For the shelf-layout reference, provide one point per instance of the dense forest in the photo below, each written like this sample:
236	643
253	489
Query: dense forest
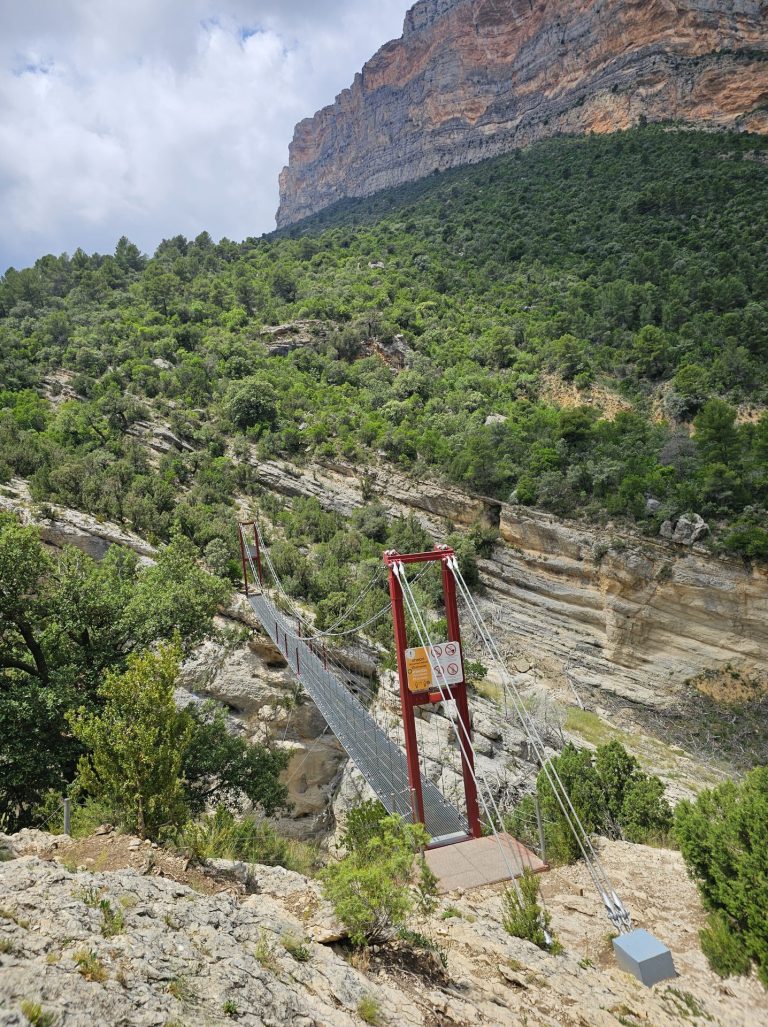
447	321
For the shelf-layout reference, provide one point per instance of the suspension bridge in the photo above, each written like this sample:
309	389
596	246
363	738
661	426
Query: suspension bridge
468	846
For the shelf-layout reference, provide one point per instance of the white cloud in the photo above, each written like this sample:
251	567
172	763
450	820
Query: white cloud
155	117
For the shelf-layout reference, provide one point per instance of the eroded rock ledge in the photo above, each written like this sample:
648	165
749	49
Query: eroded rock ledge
632	616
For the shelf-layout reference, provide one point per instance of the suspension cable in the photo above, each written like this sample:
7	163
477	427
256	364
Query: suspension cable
617	913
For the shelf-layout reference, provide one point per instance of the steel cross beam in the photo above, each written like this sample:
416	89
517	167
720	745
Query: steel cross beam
409	700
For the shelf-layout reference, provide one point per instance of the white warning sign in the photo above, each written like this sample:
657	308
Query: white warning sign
445	659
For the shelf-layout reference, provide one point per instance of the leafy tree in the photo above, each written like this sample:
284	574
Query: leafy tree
175	594
24	567
646	816
723	837
219	767
136	744
64	621
716	436
693	385
251	403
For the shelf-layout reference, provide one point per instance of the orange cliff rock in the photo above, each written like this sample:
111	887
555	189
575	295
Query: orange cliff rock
470	79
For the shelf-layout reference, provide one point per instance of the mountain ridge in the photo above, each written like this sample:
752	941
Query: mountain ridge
470	79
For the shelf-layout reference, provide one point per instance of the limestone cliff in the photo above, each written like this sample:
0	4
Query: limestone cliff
609	610
470	79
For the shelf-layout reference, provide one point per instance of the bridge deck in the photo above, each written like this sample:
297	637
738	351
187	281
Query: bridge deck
379	760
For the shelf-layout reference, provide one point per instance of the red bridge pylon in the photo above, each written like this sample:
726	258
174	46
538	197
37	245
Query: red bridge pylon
417	687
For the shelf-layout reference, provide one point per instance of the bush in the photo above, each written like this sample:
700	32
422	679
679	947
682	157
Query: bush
646	816
524	917
723	837
610	793
150	766
748	541
251	403
373	888
137	744
722	946
364	822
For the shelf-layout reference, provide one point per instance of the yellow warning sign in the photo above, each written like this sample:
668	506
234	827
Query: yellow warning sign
418	669
423	663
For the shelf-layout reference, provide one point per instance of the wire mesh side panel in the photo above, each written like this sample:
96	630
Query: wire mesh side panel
379	760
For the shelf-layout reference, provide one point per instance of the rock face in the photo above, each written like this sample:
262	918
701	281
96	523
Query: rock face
470	79
178	955
609	610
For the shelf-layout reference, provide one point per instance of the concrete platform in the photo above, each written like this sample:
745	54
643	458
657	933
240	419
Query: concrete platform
478	861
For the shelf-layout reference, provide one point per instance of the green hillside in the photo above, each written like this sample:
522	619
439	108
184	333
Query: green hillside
625	274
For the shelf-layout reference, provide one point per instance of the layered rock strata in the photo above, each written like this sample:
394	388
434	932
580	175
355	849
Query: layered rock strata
470	79
606	609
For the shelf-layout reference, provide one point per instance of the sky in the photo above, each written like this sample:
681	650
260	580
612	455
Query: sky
153	118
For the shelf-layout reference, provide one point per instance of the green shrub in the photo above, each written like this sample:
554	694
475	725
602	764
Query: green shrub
369	1010
610	793
297	948
646	816
524	917
364	822
721	944
136	744
113	920
90	966
372	888
723	837
35	1014
749	541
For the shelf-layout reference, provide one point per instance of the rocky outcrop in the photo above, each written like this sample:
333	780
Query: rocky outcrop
253	680
177	954
60	526
603	608
470	79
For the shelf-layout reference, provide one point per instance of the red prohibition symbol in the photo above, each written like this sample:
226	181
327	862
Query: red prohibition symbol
450	650
437	652
452	668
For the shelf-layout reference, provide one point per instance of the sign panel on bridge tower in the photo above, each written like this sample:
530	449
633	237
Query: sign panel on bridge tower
445	659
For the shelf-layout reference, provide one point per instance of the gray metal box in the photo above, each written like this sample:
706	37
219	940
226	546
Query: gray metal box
641	954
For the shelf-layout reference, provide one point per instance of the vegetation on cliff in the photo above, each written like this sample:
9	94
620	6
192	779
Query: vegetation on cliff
630	266
610	793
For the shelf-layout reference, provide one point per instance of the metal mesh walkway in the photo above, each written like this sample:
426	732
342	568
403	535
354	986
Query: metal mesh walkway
379	760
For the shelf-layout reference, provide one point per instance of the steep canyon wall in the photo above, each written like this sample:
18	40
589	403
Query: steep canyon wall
616	612
470	79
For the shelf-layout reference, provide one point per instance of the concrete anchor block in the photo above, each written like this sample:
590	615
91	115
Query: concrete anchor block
641	954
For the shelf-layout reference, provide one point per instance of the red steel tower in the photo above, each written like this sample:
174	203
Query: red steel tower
417	687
